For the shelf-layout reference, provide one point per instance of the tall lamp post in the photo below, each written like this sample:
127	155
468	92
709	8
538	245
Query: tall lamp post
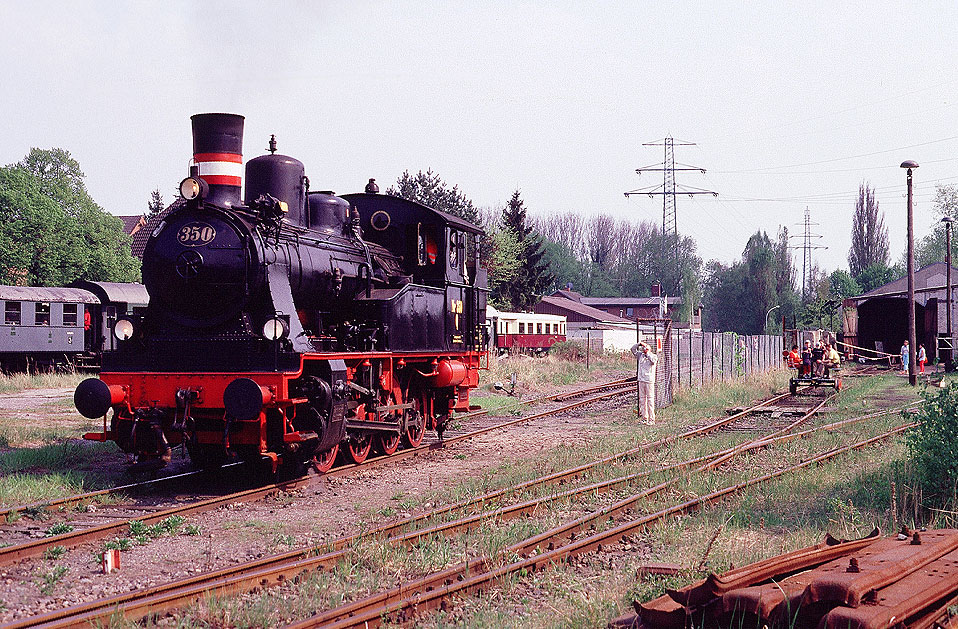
766	316
912	343
949	350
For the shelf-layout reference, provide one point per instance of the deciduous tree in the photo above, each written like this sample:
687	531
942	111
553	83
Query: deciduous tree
52	230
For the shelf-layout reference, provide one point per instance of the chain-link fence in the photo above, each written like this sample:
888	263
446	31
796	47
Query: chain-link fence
693	358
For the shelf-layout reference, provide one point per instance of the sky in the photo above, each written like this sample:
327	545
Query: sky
787	106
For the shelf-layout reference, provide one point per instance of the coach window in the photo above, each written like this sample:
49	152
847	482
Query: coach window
11	313
69	315
42	316
522	328
629	311
538	328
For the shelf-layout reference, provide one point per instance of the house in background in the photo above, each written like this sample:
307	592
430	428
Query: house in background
603	331
133	224
634	308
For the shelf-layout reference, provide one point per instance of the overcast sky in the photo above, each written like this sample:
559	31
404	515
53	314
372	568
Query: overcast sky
790	105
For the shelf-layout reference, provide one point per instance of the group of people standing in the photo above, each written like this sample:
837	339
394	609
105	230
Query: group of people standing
920	358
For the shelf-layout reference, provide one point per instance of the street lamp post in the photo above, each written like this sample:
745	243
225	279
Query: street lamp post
912	343
768	313
949	350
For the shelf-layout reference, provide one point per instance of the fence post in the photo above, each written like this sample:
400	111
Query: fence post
712	355
678	359
691	360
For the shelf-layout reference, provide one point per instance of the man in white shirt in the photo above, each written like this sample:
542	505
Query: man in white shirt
645	373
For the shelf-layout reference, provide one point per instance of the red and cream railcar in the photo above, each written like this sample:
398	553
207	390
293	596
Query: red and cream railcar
524	331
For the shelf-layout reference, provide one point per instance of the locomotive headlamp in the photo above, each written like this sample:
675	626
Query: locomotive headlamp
123	329
275	329
193	188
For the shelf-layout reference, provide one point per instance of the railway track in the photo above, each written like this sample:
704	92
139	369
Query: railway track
432	591
280	568
36	548
158	483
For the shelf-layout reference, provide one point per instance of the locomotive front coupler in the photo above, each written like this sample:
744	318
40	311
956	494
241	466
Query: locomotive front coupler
184	399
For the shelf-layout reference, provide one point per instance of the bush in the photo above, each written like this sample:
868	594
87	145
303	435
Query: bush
568	350
933	445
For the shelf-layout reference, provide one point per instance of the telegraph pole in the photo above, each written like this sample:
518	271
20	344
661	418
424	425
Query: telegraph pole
670	232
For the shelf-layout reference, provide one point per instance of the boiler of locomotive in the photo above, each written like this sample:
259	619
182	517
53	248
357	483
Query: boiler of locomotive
200	266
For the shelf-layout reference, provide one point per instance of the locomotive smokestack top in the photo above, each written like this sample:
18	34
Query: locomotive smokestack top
218	153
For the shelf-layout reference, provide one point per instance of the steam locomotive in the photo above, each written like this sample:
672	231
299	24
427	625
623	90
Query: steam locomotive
291	324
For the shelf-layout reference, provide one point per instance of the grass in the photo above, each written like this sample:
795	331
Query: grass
49	580
49	472
17	382
537	375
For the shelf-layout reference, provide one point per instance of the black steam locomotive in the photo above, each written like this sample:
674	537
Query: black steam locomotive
291	324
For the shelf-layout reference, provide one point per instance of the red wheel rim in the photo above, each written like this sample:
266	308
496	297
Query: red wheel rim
412	438
387	444
323	461
359	448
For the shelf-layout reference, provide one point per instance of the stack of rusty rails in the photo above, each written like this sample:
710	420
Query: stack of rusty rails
279	568
539	552
909	580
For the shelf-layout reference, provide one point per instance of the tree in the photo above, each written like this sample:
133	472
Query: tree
869	234
52	231
738	297
503	266
843	285
874	276
155	206
430	190
533	274
931	248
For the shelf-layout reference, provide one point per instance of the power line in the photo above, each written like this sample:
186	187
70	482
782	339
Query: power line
839	159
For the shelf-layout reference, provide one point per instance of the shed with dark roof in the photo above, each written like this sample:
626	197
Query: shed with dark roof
880	316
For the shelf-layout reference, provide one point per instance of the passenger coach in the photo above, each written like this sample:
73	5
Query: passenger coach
524	331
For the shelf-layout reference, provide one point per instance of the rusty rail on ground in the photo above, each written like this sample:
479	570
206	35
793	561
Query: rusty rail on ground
429	592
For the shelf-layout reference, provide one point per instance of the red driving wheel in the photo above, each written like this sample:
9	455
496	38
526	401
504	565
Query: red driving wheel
358	447
323	461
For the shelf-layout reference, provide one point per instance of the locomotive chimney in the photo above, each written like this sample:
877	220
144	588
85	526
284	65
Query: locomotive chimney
218	153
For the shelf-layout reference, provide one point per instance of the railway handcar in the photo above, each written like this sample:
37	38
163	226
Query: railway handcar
524	331
290	323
